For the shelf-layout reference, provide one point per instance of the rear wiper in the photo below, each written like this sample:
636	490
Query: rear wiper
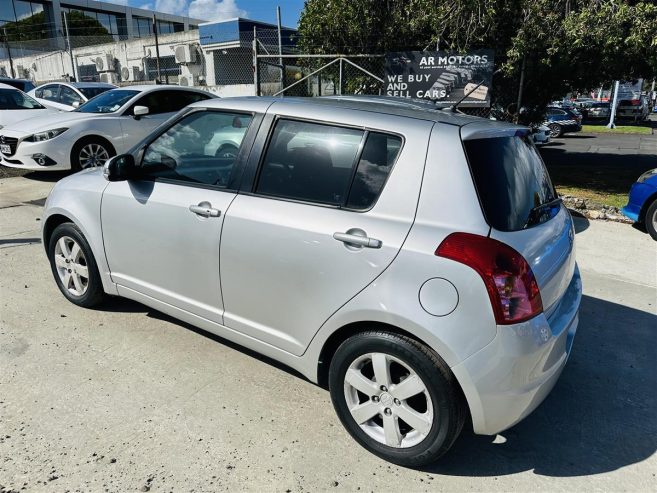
534	213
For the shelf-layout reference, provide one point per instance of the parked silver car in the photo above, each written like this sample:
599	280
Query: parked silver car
415	261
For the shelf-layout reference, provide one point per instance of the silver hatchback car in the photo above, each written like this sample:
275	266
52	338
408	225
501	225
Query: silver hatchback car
416	261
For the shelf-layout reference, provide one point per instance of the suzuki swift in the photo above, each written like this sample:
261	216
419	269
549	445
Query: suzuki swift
415	261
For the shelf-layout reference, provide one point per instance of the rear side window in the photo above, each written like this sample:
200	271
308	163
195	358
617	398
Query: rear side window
374	166
326	164
511	180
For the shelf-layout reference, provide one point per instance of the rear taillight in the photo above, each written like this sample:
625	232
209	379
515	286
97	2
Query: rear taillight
510	282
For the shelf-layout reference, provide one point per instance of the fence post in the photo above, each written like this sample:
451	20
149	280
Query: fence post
11	61
340	80
157	52
280	48
256	77
70	48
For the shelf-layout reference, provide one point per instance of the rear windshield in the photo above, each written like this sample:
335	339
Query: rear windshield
90	92
511	180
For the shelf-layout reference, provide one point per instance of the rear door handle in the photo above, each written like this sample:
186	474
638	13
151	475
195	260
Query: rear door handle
205	209
357	240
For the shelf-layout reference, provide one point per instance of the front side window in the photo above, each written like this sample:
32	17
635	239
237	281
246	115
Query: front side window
201	148
50	93
68	96
310	162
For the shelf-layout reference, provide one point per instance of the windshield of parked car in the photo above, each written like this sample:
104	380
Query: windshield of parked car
13	99
92	92
108	102
512	182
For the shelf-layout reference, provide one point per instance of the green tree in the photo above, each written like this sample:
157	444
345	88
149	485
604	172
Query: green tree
567	45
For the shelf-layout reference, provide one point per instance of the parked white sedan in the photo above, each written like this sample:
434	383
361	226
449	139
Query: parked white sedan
67	96
16	106
104	126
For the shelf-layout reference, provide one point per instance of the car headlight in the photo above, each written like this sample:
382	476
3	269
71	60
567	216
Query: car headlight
47	135
647	175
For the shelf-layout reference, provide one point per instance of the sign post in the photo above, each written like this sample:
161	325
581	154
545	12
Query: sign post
611	123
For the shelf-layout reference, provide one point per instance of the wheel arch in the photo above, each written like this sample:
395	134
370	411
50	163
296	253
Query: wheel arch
50	224
646	204
89	138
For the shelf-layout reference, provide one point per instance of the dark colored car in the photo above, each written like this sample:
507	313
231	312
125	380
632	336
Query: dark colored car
599	111
561	121
642	202
24	85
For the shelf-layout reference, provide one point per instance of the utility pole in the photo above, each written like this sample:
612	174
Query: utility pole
611	123
70	48
280	46
11	60
157	52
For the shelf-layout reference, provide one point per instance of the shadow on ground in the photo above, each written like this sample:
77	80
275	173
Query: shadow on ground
600	416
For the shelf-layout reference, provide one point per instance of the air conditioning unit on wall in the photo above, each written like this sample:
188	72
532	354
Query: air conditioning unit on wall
109	77
189	80
104	63
185	54
131	74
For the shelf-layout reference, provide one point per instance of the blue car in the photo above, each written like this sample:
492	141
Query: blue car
562	120
642	203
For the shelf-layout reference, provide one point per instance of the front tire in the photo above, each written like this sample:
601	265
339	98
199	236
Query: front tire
650	220
74	267
555	130
91	152
396	397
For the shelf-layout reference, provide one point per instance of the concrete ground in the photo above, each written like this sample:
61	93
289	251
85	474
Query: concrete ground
127	399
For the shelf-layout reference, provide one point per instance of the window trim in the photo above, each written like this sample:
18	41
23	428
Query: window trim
249	188
240	161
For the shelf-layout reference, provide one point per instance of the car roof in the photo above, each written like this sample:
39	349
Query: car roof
21	80
7	86
410	108
83	85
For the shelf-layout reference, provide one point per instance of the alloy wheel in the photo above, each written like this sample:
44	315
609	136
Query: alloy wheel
92	155
71	266
388	400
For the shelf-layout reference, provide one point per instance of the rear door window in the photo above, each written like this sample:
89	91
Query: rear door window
310	162
325	164
512	182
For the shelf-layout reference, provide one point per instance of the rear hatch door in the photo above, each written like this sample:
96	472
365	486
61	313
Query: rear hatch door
520	203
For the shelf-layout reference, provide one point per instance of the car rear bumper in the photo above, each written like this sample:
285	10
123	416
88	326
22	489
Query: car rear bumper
506	380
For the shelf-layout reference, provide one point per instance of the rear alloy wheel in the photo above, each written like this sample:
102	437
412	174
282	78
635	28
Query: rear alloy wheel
555	130
396	397
651	220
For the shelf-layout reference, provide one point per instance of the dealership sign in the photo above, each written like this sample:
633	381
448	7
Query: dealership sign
441	76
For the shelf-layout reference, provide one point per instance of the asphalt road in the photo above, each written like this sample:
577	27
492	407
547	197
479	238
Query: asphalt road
127	399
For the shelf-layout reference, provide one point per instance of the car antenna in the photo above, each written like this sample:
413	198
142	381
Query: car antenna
454	108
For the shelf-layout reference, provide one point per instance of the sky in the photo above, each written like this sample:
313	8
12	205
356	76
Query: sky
210	10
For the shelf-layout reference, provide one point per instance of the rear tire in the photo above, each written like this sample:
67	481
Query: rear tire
555	130
74	266
410	415
91	152
650	220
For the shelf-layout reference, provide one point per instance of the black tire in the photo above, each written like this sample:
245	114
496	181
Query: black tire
94	294
82	143
650	220
227	150
441	385
555	130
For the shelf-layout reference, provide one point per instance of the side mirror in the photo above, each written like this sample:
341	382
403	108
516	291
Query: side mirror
76	104
139	111
119	168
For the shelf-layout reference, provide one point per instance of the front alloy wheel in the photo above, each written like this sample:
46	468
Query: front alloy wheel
92	155
71	266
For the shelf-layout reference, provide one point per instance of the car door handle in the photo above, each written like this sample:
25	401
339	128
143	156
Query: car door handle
357	240
205	209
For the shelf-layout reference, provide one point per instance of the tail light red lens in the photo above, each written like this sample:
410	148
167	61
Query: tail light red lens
512	287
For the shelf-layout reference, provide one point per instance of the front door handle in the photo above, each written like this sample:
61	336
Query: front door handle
205	209
357	239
